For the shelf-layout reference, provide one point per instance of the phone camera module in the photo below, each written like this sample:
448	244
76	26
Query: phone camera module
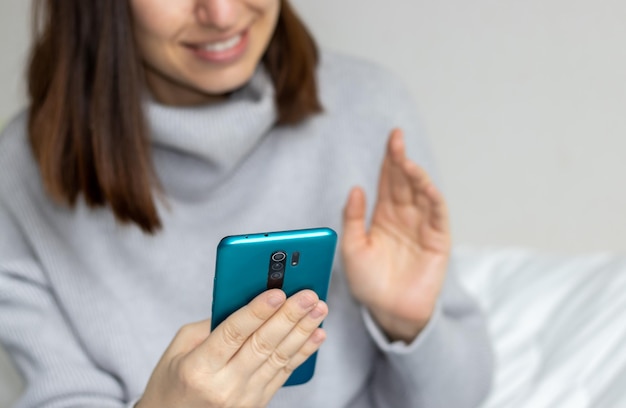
279	256
276	270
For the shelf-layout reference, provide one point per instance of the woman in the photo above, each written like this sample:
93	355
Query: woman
154	129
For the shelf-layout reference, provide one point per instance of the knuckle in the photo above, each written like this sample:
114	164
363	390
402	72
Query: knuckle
232	335
290	368
298	359
193	379
189	375
190	334
249	403
303	331
220	398
292	316
185	331
278	359
256	313
306	351
261	346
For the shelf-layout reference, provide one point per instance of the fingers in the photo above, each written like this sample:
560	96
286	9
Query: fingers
400	187
301	342
393	184
354	227
233	332
275	343
311	345
259	344
427	197
402	182
439	219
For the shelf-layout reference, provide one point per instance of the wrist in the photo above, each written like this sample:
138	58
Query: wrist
397	328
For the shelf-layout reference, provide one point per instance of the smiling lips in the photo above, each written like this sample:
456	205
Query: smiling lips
224	45
223	51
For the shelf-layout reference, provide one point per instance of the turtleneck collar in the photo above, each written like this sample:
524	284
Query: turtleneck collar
221	134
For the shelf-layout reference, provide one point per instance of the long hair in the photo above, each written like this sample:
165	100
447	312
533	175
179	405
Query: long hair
86	124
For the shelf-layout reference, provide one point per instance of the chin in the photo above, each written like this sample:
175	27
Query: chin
230	81
223	89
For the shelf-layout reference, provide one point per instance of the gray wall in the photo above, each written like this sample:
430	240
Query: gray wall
14	37
525	102
14	41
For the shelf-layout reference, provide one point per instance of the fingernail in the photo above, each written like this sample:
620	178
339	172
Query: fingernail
306	301
316	313
318	337
275	300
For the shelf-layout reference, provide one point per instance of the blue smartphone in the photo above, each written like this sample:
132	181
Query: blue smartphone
247	265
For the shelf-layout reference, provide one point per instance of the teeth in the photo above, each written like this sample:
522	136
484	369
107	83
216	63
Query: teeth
223	46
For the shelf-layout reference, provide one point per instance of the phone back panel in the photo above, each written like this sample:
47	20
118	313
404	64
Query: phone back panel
243	264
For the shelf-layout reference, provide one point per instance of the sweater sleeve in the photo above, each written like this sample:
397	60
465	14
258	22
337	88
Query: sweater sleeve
38	339
449	364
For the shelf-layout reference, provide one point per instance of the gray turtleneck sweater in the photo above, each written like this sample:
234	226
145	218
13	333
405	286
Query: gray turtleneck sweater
87	306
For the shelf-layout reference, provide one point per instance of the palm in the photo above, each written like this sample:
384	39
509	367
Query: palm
397	267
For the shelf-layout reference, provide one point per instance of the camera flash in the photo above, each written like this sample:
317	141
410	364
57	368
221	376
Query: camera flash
295	258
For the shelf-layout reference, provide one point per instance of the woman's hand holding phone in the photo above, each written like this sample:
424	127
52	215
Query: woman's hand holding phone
245	360
397	268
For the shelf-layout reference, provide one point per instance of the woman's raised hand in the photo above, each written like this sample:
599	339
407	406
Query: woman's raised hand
245	360
397	268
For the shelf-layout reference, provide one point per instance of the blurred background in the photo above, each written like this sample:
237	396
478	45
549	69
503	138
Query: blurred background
524	101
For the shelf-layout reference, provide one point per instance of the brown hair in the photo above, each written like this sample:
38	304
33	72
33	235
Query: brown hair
86	124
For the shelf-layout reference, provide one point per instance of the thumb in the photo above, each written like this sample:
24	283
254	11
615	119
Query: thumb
354	231
191	336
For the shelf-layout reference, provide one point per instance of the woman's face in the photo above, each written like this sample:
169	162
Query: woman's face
195	51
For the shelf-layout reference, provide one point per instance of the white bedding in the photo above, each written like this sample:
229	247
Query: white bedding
558	325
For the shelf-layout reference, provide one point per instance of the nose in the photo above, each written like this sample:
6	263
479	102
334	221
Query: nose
218	14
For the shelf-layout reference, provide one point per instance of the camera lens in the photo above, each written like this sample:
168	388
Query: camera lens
277	266
279	256
276	275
